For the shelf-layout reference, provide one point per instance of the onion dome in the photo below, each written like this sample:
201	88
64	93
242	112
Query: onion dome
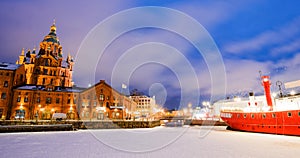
51	37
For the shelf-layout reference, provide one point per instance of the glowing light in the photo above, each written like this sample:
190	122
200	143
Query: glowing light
40	105
237	99
52	110
205	103
21	106
266	80
274	94
293	92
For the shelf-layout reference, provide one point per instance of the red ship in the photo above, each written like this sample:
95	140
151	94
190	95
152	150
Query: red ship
278	116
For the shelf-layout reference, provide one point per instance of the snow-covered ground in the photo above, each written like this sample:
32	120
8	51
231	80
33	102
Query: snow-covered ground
183	142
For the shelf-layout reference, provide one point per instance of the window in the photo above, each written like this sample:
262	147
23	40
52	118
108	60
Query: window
101	97
299	113
289	114
20	114
5	84
1	112
44	80
87	114
3	96
273	115
57	100
107	98
74	100
69	101
264	116
38	100
47	62
7	74
245	115
48	100
252	115
45	71
18	99
26	99
95	103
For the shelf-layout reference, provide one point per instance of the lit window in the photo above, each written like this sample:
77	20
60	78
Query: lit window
20	114
26	99
101	97
48	100
5	83
18	99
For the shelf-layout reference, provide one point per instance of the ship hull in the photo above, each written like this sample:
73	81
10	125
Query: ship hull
279	122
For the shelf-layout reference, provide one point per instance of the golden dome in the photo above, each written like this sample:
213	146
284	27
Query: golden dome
53	27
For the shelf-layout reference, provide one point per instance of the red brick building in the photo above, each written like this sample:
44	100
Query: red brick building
40	84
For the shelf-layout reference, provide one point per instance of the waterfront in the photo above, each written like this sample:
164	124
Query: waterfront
196	141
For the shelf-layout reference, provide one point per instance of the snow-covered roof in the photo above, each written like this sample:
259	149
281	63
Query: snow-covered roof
33	87
8	66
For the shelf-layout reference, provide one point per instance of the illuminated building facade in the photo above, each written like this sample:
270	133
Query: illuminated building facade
145	106
43	82
101	102
7	72
40	84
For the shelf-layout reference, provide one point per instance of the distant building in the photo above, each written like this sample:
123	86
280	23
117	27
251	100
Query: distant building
146	106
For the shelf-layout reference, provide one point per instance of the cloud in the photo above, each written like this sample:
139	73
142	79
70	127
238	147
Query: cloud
210	15
268	38
288	48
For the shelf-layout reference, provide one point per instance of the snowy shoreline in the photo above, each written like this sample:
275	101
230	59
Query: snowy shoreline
196	141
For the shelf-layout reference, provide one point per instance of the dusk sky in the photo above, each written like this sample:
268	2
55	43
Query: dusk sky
250	35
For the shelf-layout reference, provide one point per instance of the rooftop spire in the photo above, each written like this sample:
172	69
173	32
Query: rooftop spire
53	27
22	53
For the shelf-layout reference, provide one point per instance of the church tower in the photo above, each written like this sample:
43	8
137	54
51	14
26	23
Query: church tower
47	68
